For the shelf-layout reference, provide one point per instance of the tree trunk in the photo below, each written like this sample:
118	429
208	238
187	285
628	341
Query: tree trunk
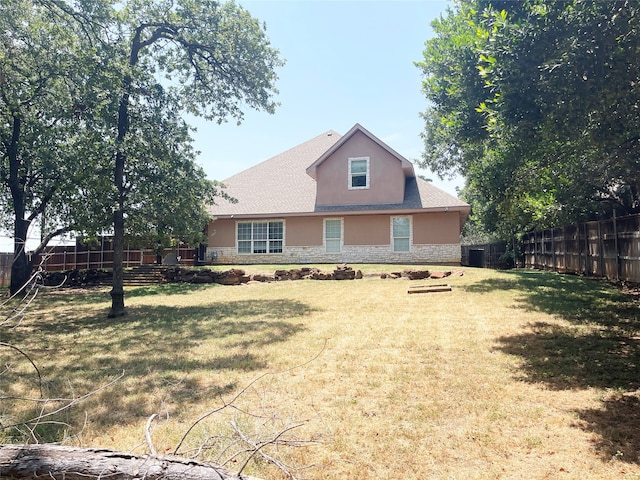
70	463
117	289
21	266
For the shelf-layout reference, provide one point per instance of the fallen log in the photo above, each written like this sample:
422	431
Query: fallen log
46	461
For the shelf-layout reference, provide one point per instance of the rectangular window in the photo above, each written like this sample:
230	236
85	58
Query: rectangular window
260	237
401	228
333	236
358	173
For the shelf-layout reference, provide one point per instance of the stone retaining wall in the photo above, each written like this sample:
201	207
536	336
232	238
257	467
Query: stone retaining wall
427	254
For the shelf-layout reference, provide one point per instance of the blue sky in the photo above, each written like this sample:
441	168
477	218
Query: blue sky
348	62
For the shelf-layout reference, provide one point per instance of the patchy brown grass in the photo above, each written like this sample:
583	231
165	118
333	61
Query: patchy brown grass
510	375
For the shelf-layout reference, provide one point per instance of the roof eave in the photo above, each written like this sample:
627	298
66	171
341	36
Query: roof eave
462	209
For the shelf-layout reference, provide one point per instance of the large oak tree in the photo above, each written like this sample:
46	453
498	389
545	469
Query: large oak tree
215	58
536	104
92	104
44	172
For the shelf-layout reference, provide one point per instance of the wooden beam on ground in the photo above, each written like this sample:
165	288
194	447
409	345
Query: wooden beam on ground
441	287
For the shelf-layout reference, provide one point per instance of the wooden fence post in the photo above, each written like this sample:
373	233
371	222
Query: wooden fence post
615	241
565	247
601	248
554	265
578	248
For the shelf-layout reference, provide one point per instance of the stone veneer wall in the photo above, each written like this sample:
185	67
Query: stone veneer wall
442	253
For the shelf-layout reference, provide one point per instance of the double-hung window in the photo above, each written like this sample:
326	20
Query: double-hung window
260	237
333	235
401	232
359	173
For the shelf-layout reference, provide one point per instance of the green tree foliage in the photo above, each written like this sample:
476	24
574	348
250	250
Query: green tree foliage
93	96
43	171
215	59
536	104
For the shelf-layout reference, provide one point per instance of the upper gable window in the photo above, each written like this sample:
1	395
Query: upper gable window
358	173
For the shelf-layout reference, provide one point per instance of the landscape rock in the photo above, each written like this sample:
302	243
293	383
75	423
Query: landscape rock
343	272
439	274
416	274
263	277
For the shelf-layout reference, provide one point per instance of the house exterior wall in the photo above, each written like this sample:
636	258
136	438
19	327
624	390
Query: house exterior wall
366	239
303	231
436	228
221	233
386	181
367	230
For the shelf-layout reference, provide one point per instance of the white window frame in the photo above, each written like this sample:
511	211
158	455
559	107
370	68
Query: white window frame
394	237
270	242
352	174
325	238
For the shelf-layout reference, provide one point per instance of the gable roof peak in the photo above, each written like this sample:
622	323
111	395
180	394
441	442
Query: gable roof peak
407	166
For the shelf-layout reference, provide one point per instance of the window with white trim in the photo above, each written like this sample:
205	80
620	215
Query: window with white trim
333	235
401	234
358	173
260	237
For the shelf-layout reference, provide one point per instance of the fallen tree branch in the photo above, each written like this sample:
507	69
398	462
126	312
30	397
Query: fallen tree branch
8	345
54	462
69	403
147	434
258	448
230	403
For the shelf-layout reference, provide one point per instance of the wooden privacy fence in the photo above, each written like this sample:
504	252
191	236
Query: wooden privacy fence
6	259
82	257
606	248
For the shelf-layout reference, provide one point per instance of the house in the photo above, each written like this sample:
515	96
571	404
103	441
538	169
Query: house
335	199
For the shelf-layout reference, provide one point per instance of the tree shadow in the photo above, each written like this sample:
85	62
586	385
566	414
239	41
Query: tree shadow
566	358
168	289
594	343
165	353
576	299
100	294
600	345
617	425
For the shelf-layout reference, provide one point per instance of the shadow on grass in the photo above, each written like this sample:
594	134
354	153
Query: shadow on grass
100	294
169	289
595	343
617	425
168	354
567	358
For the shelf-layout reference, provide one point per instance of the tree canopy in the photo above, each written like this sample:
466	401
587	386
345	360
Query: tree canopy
536	104
92	96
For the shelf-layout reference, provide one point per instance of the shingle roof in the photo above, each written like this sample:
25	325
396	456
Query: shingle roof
281	186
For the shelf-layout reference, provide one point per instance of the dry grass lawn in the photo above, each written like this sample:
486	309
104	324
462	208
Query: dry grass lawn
511	375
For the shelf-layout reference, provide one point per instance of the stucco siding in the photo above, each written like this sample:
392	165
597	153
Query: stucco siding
436	228
366	230
304	231
221	233
386	183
